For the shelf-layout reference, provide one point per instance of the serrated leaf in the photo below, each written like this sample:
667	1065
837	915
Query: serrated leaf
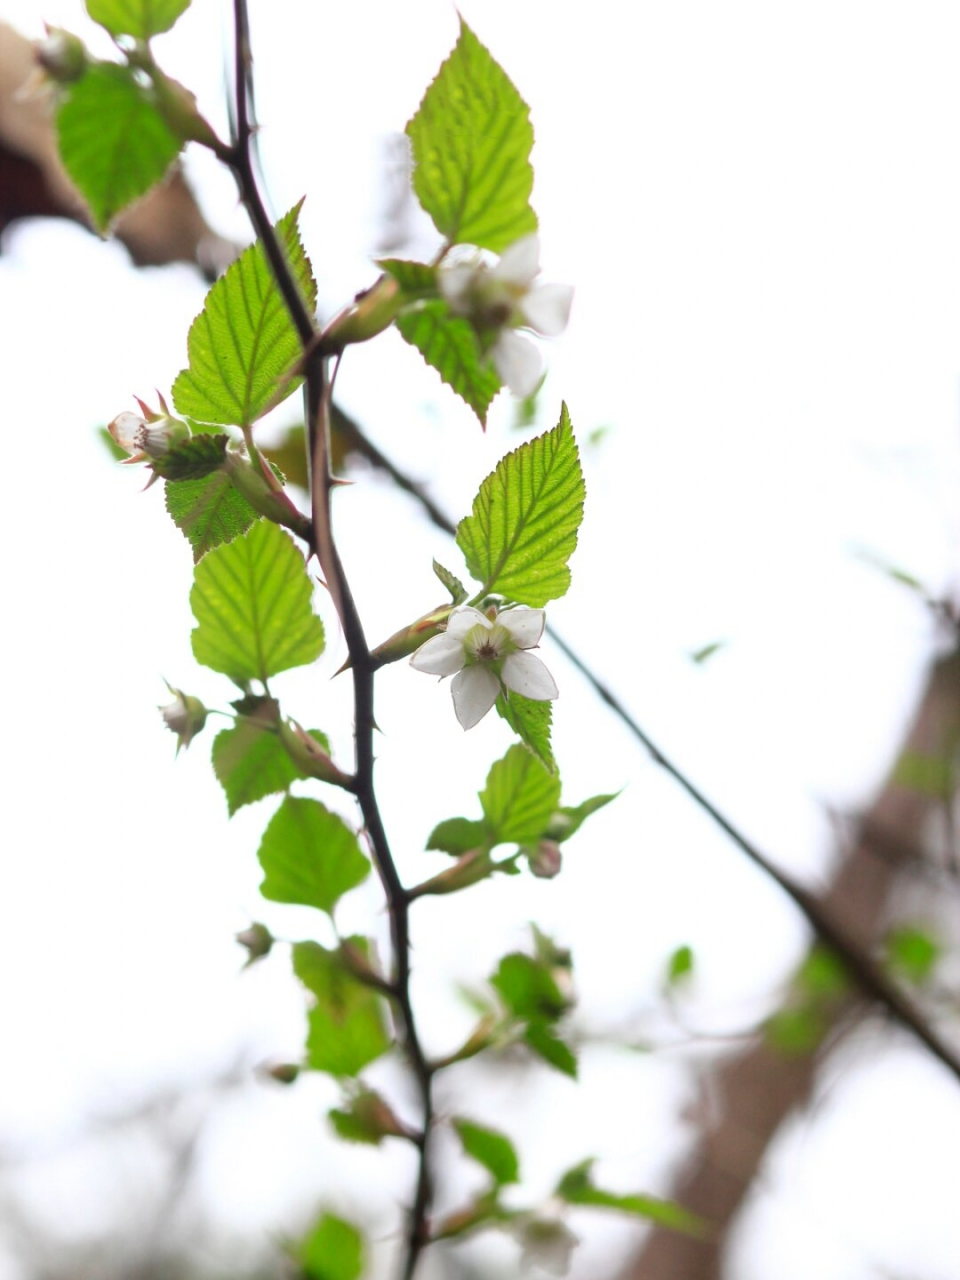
523	528
471	139
416	279
453	584
243	343
347	1028
250	762
458	835
577	1187
520	798
548	1046
139	18
309	856
450	345
209	512
192	459
490	1148
531	721
332	1250
114	143
251	600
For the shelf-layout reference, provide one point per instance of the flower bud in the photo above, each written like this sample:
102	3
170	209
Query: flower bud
61	55
149	436
263	497
409	639
370	313
309	756
257	939
544	859
467	870
179	108
185	716
282	1072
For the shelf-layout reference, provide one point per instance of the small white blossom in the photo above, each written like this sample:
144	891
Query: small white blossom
505	297
484	655
148	436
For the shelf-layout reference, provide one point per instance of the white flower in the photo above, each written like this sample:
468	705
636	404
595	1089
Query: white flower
150	436
485	655
503	298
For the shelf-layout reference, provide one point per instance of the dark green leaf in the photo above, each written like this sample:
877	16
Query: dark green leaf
449	580
416	279
450	345
209	512
243	344
528	989
520	798
493	1150
548	1046
531	721
251	599
114	143
309	856
333	1250
458	835
139	18
576	1187
192	459
524	524
250	763
471	142
347	1028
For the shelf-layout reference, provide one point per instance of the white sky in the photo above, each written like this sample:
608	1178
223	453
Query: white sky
759	207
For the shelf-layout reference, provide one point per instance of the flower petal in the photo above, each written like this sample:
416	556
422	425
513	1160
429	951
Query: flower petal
474	693
547	308
517	362
456	285
524	625
440	656
520	263
526	675
127	429
464	619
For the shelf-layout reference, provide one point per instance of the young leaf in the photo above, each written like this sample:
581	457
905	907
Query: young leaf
493	1150
531	722
139	18
332	1250
525	518
577	1187
251	600
114	143
528	989
548	1046
471	141
193	458
449	580
243	343
368	1118
450	345
416	279
309	856
520	798
209	512
570	818
346	1026
458	835
250	763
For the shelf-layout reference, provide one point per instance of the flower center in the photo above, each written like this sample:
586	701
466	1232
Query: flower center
487	644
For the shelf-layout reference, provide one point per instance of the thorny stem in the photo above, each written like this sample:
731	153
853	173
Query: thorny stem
317	405
871	978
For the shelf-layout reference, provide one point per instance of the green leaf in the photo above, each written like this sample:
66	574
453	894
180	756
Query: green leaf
309	856
796	1032
493	1150
209	512
416	279
822	977
548	1046
458	835
251	600
680	966
913	952
250	762
520	798
576	1187
347	1028
139	18
453	584
114	143
528	989
243	343
523	529
367	1118
192	459
531	721
570	818
333	1250
471	141
450	345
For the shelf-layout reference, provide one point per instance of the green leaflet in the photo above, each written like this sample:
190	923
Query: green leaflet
209	511
449	344
523	528
416	279
493	1150
577	1187
458	836
531	721
140	18
520	798
347	1028
332	1250
251	599
243	344
309	856
251	762
471	139
193	458
114	143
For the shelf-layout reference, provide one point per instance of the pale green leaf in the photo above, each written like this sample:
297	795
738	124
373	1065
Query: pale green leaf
139	18
114	143
531	721
209	511
243	344
450	345
332	1250
309	856
520	798
523	528
458	836
490	1148
251	600
347	1028
577	1187
471	139
250	762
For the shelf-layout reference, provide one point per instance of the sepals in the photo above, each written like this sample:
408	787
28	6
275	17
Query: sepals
309	756
369	314
61	56
185	716
258	941
148	435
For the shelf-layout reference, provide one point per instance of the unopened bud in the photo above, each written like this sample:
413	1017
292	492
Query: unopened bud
545	859
185	716
179	108
369	314
270	501
468	869
282	1072
257	939
61	55
409	639
309	756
